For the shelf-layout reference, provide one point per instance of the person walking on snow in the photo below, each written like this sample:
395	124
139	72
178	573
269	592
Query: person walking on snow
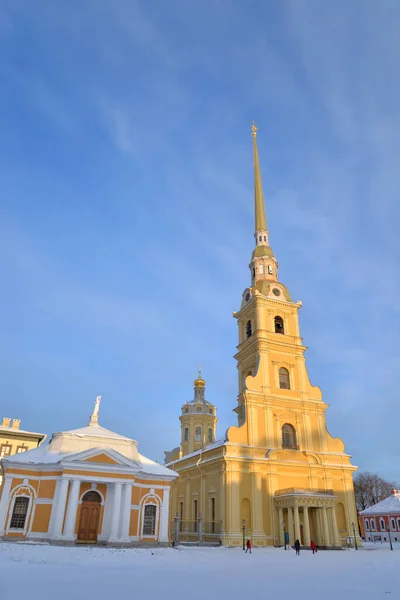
297	546
313	547
248	546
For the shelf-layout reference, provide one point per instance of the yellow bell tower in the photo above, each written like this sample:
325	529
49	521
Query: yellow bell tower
278	472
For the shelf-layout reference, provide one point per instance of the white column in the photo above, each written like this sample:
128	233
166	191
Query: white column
336	539
306	527
327	540
290	525
126	512
296	523
116	512
164	517
4	502
72	509
59	509
281	536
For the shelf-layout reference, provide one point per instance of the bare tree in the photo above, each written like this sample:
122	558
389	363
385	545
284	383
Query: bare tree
370	488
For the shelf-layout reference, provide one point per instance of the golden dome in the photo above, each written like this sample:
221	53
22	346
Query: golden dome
199	382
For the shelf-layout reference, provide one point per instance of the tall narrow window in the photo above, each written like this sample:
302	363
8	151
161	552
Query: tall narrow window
212	511
210	435
186	434
393	524
366	524
373	524
382	524
195	514
248	329
149	521
289	437
180	516
279	328
198	434
284	379
20	511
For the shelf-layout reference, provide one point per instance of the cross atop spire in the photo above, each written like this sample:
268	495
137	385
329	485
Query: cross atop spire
94	419
259	206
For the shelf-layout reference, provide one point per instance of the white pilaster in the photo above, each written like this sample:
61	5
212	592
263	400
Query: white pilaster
296	523
59	509
116	512
290	525
126	512
72	509
280	527
306	527
4	502
164	517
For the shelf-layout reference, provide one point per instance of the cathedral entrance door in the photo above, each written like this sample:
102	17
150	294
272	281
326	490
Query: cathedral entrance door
89	518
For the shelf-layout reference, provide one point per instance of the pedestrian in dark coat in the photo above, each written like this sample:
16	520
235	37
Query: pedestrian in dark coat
313	547
248	546
297	546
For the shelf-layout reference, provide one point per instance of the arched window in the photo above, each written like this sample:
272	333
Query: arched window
186	434
265	238
260	238
382	525
248	329
210	435
198	434
149	520
284	379
373	524
393	524
289	437
366	524
91	496
254	273
279	328
19	513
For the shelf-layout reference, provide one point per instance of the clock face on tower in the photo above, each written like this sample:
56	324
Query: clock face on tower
276	292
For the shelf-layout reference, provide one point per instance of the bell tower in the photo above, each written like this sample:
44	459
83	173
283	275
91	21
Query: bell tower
198	420
272	376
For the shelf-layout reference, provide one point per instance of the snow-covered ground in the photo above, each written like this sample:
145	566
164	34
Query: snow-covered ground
41	572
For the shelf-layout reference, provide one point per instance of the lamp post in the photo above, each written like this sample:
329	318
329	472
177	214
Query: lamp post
390	537
284	533
244	533
354	533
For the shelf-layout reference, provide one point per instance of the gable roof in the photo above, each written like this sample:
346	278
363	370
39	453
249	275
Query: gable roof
96	431
386	506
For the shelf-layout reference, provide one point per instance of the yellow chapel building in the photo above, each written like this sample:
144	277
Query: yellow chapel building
278	475
88	485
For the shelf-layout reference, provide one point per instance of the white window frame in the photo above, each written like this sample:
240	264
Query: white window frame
373	526
382	524
398	523
29	513
148	535
366	522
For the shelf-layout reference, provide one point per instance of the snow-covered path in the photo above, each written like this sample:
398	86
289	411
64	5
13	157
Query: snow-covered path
41	572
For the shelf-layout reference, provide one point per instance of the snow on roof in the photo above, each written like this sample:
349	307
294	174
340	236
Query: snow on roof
216	444
42	454
97	431
152	468
22	431
388	505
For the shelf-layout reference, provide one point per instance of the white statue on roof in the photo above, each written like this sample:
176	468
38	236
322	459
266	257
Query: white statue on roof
94	419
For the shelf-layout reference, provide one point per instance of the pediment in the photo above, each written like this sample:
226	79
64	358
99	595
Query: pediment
104	457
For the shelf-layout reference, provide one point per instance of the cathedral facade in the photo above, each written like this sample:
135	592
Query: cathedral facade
278	475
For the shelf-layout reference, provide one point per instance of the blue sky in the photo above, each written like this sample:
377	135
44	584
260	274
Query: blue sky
126	206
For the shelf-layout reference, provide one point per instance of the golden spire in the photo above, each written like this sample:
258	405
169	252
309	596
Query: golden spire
199	382
260	218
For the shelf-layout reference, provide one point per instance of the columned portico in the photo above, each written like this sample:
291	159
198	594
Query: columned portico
317	506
